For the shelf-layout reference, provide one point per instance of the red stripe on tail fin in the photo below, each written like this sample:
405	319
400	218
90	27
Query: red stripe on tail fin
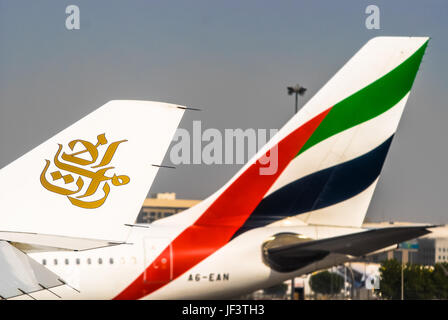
219	222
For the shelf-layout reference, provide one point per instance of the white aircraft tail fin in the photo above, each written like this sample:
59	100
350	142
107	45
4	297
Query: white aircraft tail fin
332	178
323	165
90	179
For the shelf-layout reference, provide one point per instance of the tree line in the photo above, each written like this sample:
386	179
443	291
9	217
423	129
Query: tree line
420	282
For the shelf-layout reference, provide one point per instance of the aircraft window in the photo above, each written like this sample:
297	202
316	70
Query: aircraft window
66	261
89	261
134	260
55	262
78	261
44	262
122	260
100	261
111	260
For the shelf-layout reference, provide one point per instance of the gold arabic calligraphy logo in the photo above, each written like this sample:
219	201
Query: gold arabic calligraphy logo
79	166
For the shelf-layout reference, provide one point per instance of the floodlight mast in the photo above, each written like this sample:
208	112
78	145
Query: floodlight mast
297	90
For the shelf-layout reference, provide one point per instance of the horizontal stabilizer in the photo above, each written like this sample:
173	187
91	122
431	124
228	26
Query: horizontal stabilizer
19	274
297	255
35	242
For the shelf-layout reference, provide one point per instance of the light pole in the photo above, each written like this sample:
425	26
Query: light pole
405	248
404	261
345	281
402	280
297	90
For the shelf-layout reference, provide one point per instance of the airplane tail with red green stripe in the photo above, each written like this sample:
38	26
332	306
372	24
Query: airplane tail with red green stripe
328	160
331	180
330	154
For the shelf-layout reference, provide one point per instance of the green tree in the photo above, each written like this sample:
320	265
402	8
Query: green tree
279	289
326	282
440	280
420	282
390	285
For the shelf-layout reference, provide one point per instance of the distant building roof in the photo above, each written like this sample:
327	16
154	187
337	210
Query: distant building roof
169	202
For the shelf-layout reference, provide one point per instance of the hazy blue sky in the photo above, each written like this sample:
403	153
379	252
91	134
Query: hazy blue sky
232	59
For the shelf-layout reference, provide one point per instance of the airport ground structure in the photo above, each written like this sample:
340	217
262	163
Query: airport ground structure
162	205
427	251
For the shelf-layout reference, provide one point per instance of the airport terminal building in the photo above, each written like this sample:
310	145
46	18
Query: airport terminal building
162	205
431	251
